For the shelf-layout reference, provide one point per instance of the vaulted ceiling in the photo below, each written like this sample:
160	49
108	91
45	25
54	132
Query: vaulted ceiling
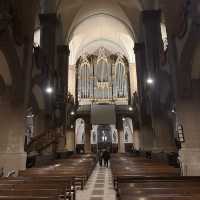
90	24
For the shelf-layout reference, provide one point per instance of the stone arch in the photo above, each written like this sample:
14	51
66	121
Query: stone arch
70	35
5	70
184	69
110	32
9	51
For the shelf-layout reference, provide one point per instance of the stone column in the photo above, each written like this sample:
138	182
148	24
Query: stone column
48	22
188	114
12	137
70	139
12	155
62	90
146	132
121	145
152	37
87	145
187	104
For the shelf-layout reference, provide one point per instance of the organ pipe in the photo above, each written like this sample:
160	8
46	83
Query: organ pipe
102	79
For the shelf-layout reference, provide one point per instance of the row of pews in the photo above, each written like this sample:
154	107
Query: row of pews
59	180
138	178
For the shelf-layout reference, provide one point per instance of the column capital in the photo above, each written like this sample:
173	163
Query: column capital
148	15
63	49
48	18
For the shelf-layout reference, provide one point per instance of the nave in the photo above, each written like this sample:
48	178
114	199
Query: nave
99	186
84	77
79	177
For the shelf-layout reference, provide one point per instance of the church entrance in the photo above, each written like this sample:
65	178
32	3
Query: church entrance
104	137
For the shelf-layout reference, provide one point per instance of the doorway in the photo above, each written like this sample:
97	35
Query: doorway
104	139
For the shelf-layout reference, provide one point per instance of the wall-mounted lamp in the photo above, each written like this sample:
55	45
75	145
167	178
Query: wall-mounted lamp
130	108
30	116
72	113
150	81
123	119
173	110
49	90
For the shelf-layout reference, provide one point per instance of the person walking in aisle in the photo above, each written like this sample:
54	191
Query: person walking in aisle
100	157
106	157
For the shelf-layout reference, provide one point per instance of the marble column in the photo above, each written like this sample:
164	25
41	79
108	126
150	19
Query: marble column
152	37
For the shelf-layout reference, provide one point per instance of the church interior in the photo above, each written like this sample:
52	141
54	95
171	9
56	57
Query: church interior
102	99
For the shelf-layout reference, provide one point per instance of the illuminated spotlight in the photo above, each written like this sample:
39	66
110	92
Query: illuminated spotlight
72	113
49	90
123	119
150	81
130	108
173	111
30	116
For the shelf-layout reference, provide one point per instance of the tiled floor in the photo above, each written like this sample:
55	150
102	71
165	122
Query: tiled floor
99	186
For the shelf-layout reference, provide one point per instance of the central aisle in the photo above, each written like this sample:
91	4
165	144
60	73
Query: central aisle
99	186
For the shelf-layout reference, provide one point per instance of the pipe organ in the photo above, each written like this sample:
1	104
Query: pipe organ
102	79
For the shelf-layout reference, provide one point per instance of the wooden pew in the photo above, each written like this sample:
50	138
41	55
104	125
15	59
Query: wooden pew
49	182
141	179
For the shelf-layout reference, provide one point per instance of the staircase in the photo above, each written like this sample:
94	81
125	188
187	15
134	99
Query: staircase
43	141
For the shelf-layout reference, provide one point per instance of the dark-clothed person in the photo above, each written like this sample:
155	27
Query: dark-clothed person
106	157
100	157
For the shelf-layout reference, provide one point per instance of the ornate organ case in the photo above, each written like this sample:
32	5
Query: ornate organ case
102	78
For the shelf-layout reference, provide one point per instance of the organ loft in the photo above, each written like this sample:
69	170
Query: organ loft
99	99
